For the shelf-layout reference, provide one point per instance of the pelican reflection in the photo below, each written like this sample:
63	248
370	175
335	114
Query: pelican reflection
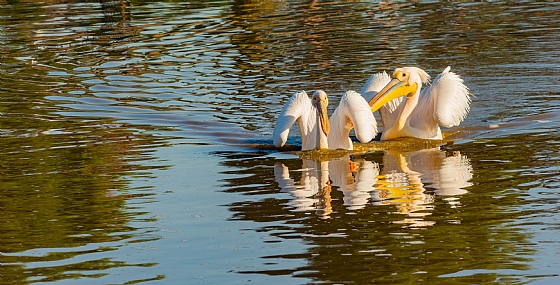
355	178
407	180
312	192
411	180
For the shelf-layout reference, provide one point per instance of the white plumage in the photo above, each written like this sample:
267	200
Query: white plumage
408	111
353	111
374	84
316	131
309	115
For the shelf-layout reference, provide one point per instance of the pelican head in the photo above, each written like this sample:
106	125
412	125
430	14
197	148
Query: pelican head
320	101
406	81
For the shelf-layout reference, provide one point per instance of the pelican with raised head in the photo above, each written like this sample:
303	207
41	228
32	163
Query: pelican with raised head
408	111
317	130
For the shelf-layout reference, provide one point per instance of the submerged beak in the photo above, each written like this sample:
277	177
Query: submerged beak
323	117
398	87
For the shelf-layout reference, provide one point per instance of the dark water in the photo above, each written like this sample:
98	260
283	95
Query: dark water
135	145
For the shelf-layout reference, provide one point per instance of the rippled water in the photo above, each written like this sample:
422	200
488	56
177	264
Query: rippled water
135	145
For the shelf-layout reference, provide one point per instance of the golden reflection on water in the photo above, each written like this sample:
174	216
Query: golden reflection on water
406	176
426	209
408	180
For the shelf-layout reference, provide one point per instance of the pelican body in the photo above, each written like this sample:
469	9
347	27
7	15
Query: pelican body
317	130
409	111
353	111
311	116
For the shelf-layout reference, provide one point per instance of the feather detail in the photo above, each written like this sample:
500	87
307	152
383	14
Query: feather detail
453	99
298	108
374	84
352	112
443	103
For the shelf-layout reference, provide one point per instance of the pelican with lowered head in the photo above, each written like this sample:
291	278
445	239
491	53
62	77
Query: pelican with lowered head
317	130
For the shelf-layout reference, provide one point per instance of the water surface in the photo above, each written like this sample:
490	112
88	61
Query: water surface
135	145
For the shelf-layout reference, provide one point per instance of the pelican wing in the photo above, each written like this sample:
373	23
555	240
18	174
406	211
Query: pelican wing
353	111
446	100
374	84
294	109
359	113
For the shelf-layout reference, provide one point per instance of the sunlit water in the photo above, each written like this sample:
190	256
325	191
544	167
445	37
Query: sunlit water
135	145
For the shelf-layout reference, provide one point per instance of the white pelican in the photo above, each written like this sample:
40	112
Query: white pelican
444	103
312	119
320	132
353	111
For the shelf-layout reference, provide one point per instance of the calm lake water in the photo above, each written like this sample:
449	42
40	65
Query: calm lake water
135	145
